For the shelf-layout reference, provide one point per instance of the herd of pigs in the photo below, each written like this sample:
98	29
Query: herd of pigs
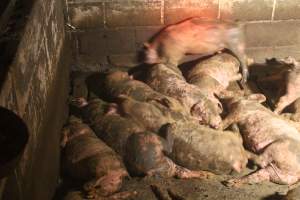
165	122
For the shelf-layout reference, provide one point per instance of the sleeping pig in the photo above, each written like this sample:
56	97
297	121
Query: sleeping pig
214	74
275	142
168	82
120	83
88	159
196	36
142	151
199	147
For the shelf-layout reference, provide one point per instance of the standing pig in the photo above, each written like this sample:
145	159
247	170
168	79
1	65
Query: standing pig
196	36
166	81
120	83
88	159
199	147
275	140
214	74
142	151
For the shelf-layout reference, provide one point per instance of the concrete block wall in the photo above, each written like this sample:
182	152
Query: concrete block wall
111	31
35	86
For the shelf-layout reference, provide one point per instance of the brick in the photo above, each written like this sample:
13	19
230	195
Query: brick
133	13
92	43
86	16
143	34
120	41
287	9
86	63
182	9
282	33
245	10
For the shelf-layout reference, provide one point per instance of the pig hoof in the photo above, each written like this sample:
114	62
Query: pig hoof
78	102
232	183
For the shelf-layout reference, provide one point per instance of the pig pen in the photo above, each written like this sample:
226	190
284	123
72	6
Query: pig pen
57	49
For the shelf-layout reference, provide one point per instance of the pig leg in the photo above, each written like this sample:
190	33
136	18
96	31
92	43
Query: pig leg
79	102
236	77
256	177
283	102
107	185
182	172
230	119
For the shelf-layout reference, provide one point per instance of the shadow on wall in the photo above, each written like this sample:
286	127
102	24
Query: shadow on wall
11	32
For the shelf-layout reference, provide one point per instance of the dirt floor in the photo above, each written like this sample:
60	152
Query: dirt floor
192	189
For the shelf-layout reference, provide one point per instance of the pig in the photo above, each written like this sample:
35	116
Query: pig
120	83
142	151
146	155
88	159
273	141
293	194
214	74
151	115
166	81
196	36
200	147
290	90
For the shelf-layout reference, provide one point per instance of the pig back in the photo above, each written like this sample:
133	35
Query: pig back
115	130
86	157
201	148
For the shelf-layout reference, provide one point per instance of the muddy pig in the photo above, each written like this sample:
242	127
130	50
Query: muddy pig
164	80
151	115
275	142
142	151
199	147
293	194
146	152
87	158
214	74
120	83
196	36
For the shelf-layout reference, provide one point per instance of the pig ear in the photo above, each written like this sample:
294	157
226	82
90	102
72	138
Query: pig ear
257	97
146	45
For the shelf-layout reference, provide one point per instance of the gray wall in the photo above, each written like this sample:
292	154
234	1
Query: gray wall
36	88
113	30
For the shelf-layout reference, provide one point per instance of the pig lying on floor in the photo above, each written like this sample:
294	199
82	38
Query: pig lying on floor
200	147
196	36
143	151
120	83
87	158
213	75
168	82
275	140
289	90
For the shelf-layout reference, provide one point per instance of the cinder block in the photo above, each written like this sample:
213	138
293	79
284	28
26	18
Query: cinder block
86	63
120	41
123	60
283	33
245	10
178	10
143	34
260	54
92	44
86	16
133	13
287	9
